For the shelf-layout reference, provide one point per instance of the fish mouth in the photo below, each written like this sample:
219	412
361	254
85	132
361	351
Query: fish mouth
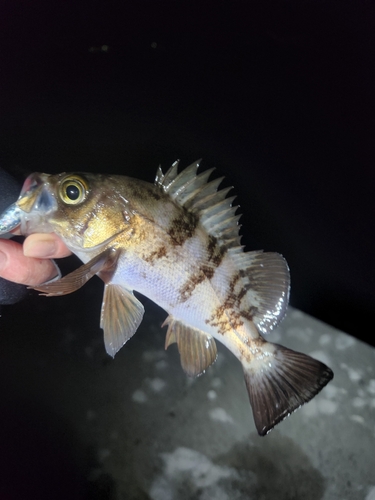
35	194
33	201
36	202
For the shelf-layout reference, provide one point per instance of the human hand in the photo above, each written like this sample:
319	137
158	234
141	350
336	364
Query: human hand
31	263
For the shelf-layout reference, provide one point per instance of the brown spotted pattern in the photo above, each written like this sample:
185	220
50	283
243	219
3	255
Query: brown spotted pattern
214	251
182	228
187	289
205	271
229	314
143	191
249	352
155	255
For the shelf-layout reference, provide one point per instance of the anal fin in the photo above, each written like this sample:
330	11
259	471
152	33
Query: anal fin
280	381
121	316
197	349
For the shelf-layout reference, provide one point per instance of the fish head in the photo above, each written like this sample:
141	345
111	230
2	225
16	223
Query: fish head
85	210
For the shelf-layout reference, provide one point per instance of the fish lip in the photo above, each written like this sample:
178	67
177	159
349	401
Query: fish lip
35	194
36	201
15	214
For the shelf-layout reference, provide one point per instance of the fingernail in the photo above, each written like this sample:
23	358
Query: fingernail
3	260
41	249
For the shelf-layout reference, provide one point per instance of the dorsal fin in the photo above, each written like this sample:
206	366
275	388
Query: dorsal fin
265	277
196	194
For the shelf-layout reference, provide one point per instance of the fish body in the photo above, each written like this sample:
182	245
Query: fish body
177	242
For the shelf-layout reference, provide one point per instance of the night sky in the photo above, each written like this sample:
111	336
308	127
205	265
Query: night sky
278	96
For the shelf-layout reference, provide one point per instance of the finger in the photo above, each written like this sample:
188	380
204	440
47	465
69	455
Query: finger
15	266
46	246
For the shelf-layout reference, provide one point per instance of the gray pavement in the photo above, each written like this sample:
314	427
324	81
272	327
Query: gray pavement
138	428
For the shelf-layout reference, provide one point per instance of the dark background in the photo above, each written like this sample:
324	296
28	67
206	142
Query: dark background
278	96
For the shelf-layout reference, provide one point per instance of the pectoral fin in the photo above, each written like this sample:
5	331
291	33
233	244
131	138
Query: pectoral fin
76	279
121	315
197	349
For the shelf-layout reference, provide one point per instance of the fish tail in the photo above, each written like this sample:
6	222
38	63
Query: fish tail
279	381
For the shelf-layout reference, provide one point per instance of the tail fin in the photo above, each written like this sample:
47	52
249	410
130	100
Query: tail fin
280	381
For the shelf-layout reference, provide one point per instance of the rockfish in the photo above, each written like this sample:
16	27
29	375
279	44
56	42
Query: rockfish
176	242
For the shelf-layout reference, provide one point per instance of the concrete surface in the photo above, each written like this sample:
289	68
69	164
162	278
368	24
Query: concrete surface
77	424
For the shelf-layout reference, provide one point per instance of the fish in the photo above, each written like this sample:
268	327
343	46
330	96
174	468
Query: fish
10	219
177	242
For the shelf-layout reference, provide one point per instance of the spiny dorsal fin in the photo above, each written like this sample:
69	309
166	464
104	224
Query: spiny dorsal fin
197	349
201	197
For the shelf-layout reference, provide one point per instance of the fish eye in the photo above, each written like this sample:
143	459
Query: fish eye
73	190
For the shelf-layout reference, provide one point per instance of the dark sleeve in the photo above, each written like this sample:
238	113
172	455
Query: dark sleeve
10	293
